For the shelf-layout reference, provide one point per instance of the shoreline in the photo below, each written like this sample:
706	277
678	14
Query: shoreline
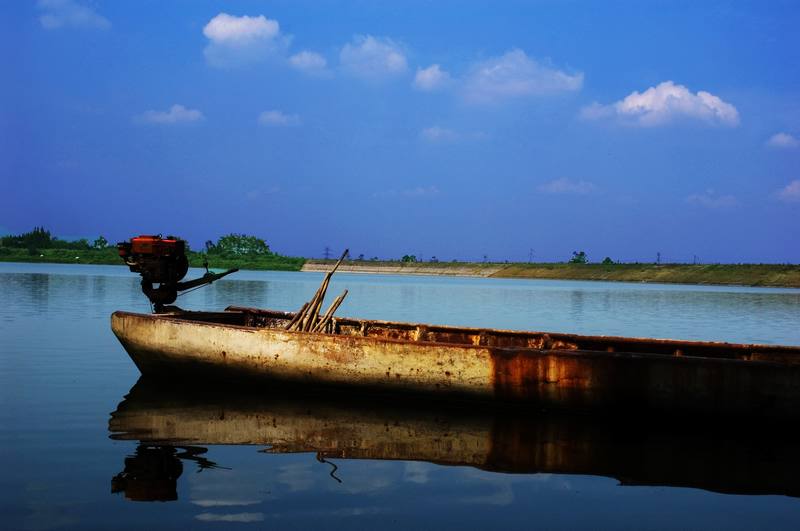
462	270
744	275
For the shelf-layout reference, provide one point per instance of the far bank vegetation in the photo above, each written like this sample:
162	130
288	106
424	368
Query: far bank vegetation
254	253
232	250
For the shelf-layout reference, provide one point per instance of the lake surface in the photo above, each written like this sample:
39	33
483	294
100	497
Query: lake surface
349	463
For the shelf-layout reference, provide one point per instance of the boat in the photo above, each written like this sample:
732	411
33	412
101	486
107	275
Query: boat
539	369
543	369
182	424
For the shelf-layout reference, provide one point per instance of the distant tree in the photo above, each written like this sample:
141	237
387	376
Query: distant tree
409	258
100	243
76	245
374	259
579	257
361	257
240	244
209	246
434	259
38	238
607	261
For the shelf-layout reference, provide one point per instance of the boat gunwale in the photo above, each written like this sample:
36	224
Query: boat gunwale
554	335
688	358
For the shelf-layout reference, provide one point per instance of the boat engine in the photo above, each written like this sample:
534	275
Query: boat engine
162	261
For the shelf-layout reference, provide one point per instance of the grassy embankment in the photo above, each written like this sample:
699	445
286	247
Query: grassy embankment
776	275
110	256
772	275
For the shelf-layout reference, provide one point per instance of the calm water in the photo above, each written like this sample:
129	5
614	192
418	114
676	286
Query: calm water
335	463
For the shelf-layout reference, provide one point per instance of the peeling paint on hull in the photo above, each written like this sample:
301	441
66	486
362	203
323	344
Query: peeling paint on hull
547	370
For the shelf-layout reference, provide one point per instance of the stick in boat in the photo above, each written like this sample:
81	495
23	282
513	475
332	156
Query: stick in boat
329	314
316	303
313	312
307	322
320	325
310	313
303	314
324	289
297	315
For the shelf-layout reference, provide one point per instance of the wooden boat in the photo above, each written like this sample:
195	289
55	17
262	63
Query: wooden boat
751	458
537	368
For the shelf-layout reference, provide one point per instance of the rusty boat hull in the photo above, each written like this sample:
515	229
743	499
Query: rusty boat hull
546	370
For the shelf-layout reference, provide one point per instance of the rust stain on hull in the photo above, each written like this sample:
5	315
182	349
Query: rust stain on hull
538	376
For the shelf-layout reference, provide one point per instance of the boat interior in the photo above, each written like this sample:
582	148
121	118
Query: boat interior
501	339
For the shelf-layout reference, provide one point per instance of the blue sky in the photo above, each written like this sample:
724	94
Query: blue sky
448	129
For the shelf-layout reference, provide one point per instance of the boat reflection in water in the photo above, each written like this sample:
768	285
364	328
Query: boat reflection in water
175	424
152	473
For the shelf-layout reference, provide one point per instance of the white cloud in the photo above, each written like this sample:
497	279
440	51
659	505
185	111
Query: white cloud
234	41
70	14
567	186
373	58
177	114
420	191
515	75
791	192
308	62
438	134
666	103
261	193
416	192
229	29
709	199
783	141
431	78
277	118
596	111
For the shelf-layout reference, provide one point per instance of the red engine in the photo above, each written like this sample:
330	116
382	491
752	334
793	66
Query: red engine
157	259
163	261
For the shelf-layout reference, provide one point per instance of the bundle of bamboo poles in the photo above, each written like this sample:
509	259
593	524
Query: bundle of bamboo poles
308	319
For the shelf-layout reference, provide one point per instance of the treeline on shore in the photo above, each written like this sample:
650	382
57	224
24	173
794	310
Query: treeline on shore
232	250
253	253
